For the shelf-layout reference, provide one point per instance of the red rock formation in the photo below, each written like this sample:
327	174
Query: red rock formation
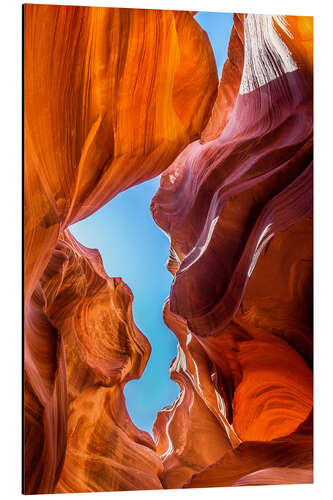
101	349
107	105
104	349
101	112
281	461
231	78
237	206
112	96
199	408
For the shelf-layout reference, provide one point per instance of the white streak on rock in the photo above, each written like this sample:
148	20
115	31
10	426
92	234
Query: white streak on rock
266	55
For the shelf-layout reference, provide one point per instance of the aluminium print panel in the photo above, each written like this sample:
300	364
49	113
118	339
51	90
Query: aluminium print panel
114	99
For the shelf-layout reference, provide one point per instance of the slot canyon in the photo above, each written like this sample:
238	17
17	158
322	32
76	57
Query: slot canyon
114	97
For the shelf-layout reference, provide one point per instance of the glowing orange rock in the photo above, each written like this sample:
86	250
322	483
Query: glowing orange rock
280	461
92	314
230	83
237	206
101	111
198	409
107	105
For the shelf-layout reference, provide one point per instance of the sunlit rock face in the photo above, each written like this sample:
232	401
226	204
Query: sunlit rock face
97	349
237	205
111	98
104	349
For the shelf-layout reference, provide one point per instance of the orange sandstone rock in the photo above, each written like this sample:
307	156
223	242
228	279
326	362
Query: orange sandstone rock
114	96
272	462
91	315
107	105
237	206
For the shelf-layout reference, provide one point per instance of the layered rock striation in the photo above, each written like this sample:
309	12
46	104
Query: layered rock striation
237	206
111	97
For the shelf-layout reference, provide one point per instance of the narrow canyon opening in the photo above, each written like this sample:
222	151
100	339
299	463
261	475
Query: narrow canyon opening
134	248
212	354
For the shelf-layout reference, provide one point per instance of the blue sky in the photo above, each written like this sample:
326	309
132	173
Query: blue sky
218	27
133	247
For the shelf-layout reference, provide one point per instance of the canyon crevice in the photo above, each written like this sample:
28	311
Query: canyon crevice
114	97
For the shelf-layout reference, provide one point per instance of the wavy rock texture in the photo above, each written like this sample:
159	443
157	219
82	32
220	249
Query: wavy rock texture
101	349
104	349
237	206
108	104
102	112
285	460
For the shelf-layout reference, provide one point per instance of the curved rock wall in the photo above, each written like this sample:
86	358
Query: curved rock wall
107	105
237	206
114	97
